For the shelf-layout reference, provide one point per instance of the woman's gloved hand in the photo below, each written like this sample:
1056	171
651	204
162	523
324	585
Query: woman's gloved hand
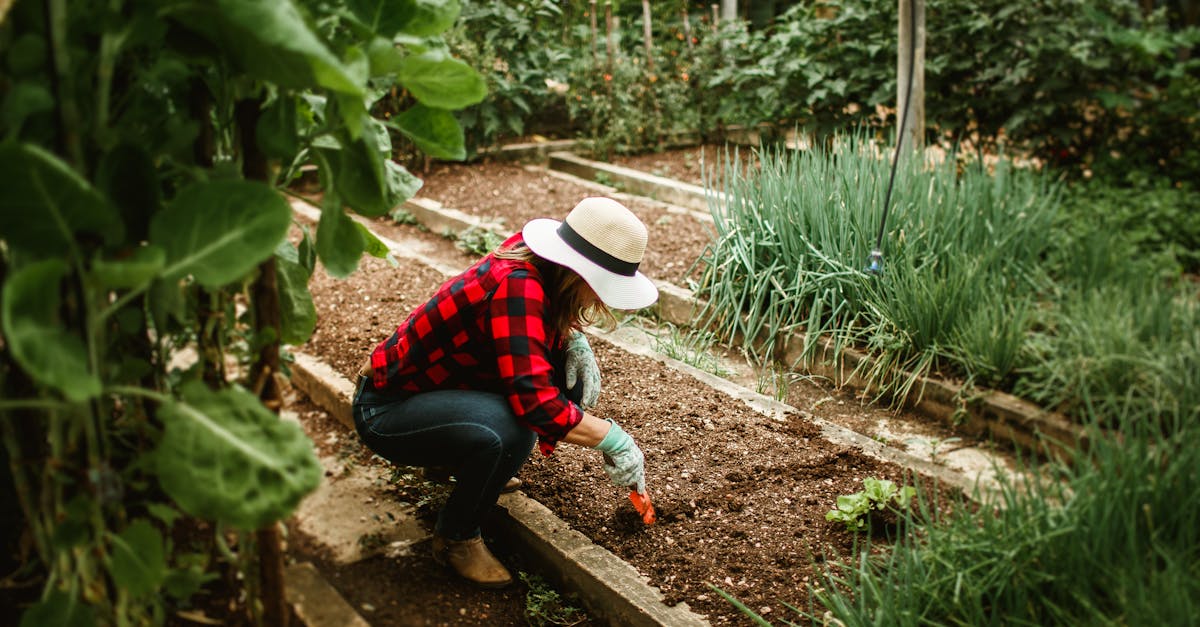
623	460
581	367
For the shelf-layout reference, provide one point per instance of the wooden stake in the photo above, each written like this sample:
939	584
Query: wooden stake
592	15
914	115
729	10
687	29
716	20
646	34
610	46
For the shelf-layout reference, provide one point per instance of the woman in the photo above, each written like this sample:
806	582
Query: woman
491	362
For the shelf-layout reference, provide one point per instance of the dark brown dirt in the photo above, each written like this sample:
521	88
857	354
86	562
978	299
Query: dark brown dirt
514	194
742	497
693	164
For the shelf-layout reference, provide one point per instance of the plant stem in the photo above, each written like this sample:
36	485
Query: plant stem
21	484
110	43
130	390
60	79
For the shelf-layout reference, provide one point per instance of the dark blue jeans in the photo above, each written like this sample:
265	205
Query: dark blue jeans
473	433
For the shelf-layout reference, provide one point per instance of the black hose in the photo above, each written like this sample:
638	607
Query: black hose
876	260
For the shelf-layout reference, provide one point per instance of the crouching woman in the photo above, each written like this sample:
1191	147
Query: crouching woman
496	359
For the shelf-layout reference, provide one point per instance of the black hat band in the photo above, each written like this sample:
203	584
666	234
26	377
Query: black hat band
594	253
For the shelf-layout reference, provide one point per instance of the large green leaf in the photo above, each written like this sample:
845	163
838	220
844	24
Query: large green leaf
277	131
372	245
297	313
50	354
434	131
339	242
44	203
421	18
138	563
441	81
24	99
224	457
134	270
402	184
361	178
270	40
385	58
61	610
218	231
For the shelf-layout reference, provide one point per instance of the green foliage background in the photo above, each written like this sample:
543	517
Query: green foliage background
148	279
1102	89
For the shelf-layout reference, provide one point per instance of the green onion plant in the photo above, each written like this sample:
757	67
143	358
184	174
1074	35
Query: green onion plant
981	281
1113	540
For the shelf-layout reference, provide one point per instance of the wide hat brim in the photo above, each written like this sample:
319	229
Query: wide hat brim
615	290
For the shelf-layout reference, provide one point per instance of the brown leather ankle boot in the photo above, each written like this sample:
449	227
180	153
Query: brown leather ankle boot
472	560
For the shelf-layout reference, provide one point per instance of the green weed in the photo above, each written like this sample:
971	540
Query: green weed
400	215
477	241
692	347
545	606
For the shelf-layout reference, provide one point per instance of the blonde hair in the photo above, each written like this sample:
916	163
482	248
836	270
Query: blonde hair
569	301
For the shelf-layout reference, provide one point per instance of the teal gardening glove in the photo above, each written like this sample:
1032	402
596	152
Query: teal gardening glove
623	460
581	367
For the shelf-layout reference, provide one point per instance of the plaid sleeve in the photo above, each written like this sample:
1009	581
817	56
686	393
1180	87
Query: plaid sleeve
523	360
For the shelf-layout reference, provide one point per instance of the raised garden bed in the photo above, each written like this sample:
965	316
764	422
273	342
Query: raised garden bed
742	496
511	195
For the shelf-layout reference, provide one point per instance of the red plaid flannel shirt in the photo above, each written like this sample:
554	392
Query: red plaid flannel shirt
483	330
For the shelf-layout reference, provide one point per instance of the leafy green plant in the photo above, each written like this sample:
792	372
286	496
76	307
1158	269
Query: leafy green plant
400	215
519	46
144	249
854	510
478	240
545	606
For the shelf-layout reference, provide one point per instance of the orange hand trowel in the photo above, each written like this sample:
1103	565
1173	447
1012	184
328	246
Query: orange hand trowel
641	502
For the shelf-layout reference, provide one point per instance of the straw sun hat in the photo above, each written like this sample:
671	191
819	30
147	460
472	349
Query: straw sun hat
603	242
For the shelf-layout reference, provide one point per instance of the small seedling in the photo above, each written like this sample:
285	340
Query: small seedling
545	606
693	348
854	509
478	241
935	447
403	216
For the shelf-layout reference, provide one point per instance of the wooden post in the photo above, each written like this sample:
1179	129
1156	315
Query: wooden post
646	35
608	33
716	19
592	15
728	10
687	28
911	62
